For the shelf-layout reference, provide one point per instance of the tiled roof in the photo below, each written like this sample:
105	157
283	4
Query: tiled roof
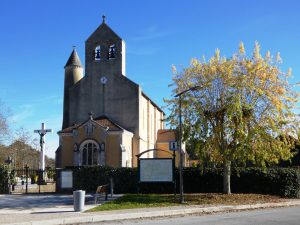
73	59
69	129
101	121
106	122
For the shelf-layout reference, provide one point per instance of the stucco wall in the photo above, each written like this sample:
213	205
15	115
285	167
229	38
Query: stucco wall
127	143
165	146
143	125
150	122
113	150
72	75
67	153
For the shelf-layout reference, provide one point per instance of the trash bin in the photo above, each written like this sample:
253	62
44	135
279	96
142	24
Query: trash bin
79	198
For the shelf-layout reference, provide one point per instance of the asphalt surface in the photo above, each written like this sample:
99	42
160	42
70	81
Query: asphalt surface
275	216
58	209
19	208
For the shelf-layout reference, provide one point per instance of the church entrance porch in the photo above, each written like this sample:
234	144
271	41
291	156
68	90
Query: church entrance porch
95	142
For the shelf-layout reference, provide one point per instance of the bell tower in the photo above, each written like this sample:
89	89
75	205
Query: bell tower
104	52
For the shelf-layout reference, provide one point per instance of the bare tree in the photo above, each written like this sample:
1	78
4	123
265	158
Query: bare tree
4	125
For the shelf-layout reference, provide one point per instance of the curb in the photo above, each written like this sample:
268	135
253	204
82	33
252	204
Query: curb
155	212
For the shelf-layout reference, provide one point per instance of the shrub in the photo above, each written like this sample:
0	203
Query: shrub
284	182
276	181
5	177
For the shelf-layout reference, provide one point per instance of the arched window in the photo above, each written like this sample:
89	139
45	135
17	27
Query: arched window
89	151
112	52
97	52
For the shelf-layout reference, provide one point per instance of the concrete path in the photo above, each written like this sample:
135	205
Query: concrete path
58	209
26	208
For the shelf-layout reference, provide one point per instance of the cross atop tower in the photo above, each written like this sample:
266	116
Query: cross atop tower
103	18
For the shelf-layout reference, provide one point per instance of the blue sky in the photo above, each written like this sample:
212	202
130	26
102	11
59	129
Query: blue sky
37	38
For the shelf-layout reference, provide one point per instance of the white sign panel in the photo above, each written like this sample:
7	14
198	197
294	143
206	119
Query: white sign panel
66	179
156	170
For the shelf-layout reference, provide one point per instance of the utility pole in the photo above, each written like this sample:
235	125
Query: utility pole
180	141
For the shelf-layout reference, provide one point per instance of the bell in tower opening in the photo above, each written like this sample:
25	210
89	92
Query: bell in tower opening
97	53
111	52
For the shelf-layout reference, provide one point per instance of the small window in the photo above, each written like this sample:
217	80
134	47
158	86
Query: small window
112	52
97	52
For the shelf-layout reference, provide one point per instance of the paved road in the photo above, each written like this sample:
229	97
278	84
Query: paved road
277	216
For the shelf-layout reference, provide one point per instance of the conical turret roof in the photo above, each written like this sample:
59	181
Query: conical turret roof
73	59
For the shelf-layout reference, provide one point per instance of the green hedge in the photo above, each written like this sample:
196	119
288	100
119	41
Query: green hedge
4	177
277	181
88	178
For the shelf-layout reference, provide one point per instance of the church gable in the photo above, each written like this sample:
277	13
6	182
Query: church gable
102	32
105	52
89	127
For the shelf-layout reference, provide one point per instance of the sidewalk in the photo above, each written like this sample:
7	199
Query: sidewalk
64	214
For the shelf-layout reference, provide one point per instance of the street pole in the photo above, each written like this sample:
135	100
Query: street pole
181	155
26	172
180	140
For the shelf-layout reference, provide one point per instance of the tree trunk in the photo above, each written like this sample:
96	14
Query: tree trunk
226	177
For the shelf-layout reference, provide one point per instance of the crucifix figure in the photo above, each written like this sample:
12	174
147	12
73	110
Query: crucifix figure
42	132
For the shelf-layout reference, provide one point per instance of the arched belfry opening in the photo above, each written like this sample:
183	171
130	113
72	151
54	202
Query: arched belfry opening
112	52
97	53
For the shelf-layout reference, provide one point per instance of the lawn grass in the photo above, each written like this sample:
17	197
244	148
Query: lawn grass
131	201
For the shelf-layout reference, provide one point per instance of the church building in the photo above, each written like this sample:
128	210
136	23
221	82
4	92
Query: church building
107	118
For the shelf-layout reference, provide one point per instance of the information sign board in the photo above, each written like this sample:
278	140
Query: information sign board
66	179
156	170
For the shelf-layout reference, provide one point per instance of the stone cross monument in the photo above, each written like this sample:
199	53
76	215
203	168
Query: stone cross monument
42	132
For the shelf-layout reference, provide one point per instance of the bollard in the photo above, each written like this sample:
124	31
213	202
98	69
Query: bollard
111	181
79	199
10	189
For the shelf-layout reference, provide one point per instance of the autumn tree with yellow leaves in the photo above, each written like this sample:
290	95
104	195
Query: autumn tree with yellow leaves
240	109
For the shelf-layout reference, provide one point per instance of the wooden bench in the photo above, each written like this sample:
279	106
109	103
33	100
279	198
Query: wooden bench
102	189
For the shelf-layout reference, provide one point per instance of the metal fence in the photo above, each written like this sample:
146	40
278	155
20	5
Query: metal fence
34	175
28	178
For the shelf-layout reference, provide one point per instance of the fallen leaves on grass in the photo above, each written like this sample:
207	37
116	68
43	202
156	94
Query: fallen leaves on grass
232	199
131	201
